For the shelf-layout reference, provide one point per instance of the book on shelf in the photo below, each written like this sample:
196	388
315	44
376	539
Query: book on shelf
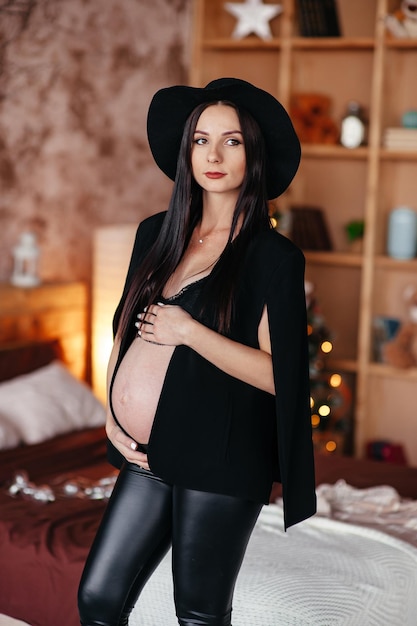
401	133
318	18
309	229
400	138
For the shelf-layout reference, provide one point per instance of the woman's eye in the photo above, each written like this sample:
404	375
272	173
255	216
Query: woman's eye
233	142
200	141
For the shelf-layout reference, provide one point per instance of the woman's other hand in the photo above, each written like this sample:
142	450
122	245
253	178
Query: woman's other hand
125	444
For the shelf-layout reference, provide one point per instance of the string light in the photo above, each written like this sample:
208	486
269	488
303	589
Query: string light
326	347
335	380
324	410
315	420
331	446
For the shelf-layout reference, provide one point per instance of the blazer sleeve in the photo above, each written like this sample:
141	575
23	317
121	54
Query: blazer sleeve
289	341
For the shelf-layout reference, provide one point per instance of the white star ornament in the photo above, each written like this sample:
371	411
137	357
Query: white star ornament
253	17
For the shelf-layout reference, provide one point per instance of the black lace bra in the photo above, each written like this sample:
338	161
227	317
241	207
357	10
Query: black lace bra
187	296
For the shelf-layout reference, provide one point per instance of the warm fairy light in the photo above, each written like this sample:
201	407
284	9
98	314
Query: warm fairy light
326	346
311	402
315	420
324	410
309	329
335	380
331	446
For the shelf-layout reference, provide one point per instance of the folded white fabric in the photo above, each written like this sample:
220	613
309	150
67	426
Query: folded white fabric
374	505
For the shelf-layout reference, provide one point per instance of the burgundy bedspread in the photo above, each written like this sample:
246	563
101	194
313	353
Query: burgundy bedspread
43	546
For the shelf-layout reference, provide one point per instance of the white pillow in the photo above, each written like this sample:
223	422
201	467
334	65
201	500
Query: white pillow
9	436
47	402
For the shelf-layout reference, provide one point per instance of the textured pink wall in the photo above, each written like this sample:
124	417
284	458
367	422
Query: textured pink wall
76	78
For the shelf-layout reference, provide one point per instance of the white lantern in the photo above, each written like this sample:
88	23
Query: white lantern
26	256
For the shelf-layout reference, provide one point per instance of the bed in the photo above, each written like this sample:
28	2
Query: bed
353	564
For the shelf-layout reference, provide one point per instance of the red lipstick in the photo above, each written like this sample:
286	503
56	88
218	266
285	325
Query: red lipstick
214	175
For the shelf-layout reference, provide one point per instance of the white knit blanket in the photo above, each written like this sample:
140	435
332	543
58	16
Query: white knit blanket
320	573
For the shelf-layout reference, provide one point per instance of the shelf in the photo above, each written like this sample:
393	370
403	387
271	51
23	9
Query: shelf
333	43
402	44
298	43
336	259
387	371
331	151
249	43
386	262
398	155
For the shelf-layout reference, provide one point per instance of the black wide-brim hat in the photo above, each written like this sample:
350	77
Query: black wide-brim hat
171	107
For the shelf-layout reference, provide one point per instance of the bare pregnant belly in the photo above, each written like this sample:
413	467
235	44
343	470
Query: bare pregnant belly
137	387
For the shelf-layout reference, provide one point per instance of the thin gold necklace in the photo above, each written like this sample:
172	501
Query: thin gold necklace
201	239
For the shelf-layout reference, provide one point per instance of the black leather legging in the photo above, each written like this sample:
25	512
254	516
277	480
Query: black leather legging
208	532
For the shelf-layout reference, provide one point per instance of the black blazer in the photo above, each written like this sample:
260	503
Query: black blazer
215	433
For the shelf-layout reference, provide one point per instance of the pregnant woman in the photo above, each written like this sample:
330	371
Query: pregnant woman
208	378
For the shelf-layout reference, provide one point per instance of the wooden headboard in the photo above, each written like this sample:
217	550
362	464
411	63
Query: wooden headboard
39	323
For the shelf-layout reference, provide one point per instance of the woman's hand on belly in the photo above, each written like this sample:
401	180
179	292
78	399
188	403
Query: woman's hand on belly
124	444
164	324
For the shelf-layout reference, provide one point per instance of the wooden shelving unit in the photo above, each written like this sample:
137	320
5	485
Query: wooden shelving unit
369	66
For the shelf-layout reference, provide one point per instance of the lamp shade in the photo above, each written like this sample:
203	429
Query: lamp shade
112	248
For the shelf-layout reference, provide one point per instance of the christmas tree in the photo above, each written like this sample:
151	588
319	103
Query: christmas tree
330	393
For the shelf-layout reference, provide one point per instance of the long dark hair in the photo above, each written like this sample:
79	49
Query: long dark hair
184	213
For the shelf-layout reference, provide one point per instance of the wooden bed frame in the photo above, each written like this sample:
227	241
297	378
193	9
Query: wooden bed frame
55	311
